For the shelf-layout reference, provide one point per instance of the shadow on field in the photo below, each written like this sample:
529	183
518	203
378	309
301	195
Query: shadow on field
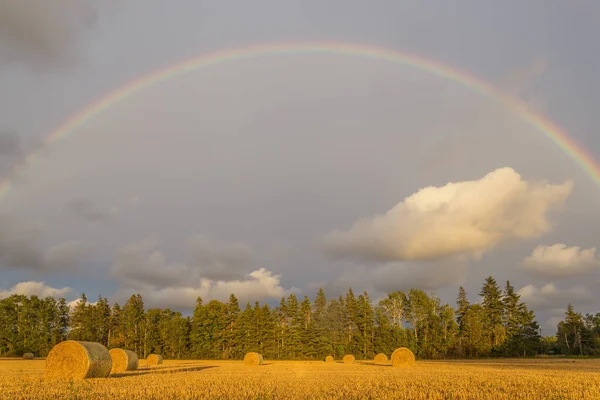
162	370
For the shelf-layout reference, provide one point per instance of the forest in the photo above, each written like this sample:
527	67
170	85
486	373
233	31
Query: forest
498	325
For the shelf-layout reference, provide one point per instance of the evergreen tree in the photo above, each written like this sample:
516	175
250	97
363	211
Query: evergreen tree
134	326
494	311
366	325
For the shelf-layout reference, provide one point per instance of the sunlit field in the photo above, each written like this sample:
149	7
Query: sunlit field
494	379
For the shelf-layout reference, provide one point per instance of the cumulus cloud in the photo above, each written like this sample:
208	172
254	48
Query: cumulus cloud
550	297
20	248
458	219
561	261
215	273
87	210
31	288
42	30
73	303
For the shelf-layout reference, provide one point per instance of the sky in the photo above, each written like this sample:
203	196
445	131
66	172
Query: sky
284	173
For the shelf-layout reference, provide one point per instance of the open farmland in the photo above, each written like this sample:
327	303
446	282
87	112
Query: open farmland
494	379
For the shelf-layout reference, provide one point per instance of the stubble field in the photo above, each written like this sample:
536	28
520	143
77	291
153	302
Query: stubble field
495	379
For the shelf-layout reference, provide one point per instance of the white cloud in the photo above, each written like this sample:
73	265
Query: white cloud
71	304
31	288
561	261
549	297
464	218
258	285
140	268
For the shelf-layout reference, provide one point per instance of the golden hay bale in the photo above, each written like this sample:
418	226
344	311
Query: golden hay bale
328	359
154	359
28	356
349	359
123	360
78	360
253	359
403	357
380	359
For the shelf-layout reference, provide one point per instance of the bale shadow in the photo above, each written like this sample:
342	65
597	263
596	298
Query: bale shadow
162	366
157	371
377	365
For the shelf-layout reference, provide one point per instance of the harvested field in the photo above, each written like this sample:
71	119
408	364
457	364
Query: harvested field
502	379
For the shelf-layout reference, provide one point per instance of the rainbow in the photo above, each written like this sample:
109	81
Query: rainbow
539	122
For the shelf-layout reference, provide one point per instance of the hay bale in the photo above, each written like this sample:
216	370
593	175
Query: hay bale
329	359
349	359
123	360
253	359
380	359
78	360
403	357
154	359
28	356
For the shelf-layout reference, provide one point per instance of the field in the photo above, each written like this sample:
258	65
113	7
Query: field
494	379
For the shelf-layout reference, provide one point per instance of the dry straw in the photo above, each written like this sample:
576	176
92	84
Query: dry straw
28	356
329	359
349	359
154	359
123	360
380	359
78	360
253	359
403	357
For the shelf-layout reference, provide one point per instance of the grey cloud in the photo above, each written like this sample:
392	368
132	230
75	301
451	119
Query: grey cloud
87	210
141	263
10	144
220	261
390	277
65	256
20	248
42	30
19	243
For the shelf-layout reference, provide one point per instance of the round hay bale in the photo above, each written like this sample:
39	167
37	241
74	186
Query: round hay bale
28	356
403	357
380	359
329	359
154	359
123	360
349	359
78	360
253	359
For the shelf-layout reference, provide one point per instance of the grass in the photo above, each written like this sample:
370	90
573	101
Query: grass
489	379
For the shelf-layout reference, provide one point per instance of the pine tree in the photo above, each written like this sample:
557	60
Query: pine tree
494	310
231	315
463	304
134	325
366	324
351	311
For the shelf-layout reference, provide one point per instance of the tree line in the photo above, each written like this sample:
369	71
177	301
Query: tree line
500	324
